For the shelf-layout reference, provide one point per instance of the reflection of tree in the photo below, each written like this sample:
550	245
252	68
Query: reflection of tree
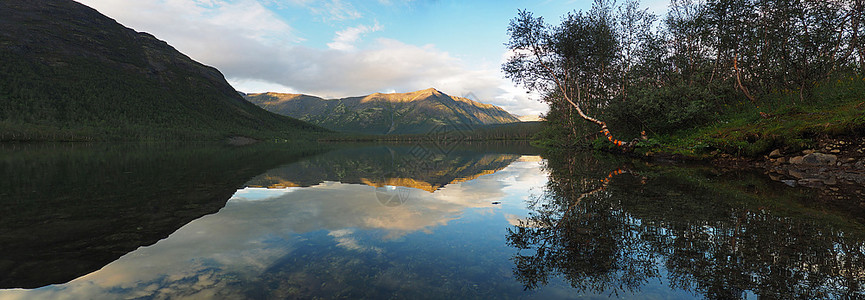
571	234
716	235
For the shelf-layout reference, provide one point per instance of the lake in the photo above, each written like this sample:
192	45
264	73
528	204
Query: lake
427	221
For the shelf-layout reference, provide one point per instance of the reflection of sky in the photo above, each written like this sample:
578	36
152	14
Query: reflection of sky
212	256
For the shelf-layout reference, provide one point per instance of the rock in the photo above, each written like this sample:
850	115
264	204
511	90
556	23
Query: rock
836	151
810	182
850	160
774	177
809	151
775	153
782	160
819	159
796	160
789	182
830	181
797	173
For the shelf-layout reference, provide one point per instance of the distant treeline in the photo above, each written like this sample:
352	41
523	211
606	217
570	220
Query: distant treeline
704	62
519	131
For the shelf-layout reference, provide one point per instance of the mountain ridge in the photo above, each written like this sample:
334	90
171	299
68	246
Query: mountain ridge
385	113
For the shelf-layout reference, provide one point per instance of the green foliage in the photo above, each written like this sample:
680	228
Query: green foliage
519	131
709	63
664	110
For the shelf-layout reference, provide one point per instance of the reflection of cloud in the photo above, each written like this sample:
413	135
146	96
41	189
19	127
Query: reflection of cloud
524	222
216	255
344	239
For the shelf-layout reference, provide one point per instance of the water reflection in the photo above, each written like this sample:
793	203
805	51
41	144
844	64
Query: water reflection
386	167
392	222
69	209
721	235
332	239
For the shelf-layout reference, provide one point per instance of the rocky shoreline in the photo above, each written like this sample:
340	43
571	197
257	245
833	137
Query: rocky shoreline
835	170
836	162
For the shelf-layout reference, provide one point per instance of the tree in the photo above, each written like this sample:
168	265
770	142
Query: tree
571	64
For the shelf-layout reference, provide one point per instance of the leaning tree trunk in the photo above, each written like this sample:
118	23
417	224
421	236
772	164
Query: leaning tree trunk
579	110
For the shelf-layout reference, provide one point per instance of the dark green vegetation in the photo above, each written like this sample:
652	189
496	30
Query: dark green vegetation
69	73
70	209
613	226
383	114
517	131
741	76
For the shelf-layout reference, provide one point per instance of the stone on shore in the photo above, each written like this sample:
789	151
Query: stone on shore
775	153
815	159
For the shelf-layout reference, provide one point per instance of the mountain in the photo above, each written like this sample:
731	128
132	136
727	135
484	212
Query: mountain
398	113
71	73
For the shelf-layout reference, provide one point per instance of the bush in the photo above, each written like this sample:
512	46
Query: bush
665	109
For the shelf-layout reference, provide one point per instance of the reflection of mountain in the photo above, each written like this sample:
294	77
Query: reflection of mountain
421	167
329	241
69	211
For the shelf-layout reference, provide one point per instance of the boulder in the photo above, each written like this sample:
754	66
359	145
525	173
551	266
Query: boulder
819	159
797	160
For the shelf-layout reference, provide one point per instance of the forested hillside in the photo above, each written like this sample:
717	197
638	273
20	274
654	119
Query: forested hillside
70	73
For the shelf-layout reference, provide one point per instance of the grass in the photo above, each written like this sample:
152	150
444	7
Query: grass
833	109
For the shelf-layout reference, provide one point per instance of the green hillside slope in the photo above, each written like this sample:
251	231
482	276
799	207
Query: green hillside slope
71	73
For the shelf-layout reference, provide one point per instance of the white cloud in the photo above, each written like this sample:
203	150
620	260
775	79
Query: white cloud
345	39
340	11
256	50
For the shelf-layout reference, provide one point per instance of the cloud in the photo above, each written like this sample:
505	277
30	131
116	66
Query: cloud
256	50
339	10
387	65
345	39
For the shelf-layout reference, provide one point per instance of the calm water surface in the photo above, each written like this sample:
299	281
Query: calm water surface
415	221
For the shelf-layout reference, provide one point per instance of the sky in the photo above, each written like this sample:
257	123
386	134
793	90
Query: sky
345	48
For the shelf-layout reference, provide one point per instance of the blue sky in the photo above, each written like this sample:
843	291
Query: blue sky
342	48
